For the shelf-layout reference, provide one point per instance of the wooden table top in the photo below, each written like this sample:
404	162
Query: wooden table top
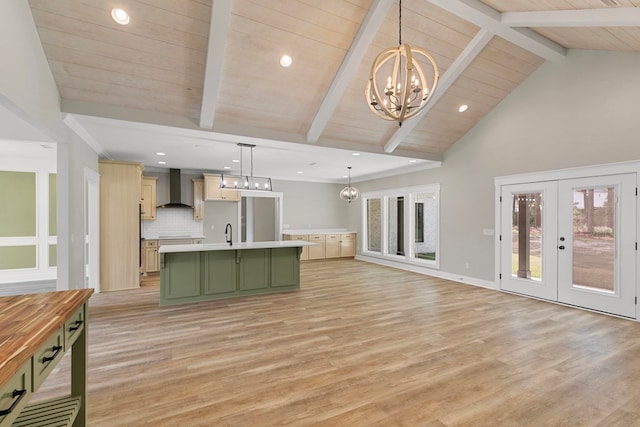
26	321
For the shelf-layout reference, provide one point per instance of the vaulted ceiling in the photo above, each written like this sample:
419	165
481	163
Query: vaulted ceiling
214	66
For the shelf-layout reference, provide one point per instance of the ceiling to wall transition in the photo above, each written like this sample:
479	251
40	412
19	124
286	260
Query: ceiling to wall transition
192	78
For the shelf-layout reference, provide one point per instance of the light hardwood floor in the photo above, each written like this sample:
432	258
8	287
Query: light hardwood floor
358	345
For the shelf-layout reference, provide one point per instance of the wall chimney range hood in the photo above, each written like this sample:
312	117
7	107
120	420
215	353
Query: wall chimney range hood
175	192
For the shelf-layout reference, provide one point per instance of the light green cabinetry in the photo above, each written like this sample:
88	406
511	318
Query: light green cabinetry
205	275
254	269
182	275
221	272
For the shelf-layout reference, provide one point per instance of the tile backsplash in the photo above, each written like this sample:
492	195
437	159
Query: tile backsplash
172	222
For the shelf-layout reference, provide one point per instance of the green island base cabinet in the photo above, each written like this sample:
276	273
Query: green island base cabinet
200	272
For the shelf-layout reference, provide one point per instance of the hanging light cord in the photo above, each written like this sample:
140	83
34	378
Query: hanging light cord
400	23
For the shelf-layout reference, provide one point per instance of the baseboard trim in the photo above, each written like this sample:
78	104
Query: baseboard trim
474	281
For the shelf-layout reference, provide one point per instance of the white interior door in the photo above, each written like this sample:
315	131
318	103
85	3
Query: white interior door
596	243
572	241
529	232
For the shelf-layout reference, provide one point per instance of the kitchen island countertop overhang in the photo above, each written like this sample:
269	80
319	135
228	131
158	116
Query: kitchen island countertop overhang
226	247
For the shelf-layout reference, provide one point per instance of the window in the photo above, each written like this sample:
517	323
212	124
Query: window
403	224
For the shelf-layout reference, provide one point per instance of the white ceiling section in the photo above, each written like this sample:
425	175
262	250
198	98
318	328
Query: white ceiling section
192	78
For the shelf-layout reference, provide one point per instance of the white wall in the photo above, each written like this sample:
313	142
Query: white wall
575	112
313	205
27	87
28	94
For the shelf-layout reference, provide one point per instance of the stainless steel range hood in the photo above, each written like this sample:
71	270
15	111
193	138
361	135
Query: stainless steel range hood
175	192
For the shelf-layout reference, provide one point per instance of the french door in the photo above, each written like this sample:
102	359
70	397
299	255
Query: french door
572	241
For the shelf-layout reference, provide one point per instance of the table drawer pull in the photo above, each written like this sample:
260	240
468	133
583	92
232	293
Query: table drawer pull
56	350
16	393
76	326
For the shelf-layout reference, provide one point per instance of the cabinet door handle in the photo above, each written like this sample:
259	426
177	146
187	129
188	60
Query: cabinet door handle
76	326
16	393
56	350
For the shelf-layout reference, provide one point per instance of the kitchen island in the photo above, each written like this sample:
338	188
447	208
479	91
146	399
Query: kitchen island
200	272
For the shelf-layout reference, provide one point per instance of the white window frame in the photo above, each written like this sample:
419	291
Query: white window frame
409	194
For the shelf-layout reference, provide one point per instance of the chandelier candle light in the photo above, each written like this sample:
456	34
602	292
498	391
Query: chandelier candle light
349	193
242	182
399	72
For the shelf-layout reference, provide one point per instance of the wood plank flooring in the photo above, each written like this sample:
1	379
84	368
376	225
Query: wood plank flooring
358	345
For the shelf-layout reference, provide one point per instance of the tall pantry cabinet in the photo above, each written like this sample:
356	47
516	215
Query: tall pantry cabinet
120	195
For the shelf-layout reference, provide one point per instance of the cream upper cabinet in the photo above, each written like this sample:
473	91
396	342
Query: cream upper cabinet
149	185
198	199
212	190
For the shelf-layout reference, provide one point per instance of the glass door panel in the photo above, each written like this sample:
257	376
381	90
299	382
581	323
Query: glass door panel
596	245
594	238
425	209
529	230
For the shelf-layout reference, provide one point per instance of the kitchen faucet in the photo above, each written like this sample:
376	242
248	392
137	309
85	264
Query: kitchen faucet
228	233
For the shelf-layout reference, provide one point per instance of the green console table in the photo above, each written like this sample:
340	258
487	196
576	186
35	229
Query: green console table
200	272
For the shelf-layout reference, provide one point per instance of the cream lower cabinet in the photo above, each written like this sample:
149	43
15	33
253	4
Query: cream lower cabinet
305	249
151	257
329	245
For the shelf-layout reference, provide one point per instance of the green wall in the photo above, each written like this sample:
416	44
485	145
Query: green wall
13	257
18	210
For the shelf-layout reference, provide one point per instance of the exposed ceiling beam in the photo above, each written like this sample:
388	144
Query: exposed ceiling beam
616	17
218	28
466	57
368	29
489	19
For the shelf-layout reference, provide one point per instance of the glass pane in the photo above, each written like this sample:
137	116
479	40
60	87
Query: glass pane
426	226
374	225
526	236
395	228
594	238
18	198
17	257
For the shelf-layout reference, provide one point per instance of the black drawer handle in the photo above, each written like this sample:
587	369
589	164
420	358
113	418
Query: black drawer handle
76	326
16	393
56	350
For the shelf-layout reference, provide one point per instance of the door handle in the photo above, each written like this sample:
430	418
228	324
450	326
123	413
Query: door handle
561	247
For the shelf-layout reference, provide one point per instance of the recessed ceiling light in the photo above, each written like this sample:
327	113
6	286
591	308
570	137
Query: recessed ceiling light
286	61
412	161
227	167
300	172
355	154
235	161
463	108
160	154
120	16
162	163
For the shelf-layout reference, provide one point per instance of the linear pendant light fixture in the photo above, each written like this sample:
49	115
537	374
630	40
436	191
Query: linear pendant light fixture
398	87
349	193
245	182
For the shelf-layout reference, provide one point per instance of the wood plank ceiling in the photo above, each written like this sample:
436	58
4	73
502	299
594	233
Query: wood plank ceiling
162	61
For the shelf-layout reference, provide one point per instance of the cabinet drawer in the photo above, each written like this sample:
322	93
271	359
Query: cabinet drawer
73	327
15	394
150	243
198	241
348	236
316	237
302	237
332	237
47	357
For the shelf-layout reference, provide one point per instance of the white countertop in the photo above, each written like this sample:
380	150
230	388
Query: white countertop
296	232
171	237
227	247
